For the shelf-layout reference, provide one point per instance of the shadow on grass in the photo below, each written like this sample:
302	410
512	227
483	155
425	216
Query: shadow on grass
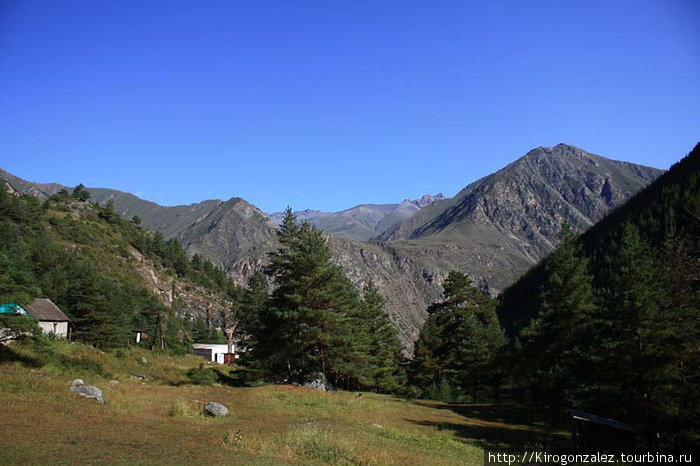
8	355
49	356
498	426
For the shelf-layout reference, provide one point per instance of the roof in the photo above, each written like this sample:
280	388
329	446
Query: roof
44	309
586	417
214	346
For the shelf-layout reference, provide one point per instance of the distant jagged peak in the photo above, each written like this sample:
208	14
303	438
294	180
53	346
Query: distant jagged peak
424	200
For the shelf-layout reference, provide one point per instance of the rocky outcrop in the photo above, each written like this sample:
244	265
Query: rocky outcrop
317	381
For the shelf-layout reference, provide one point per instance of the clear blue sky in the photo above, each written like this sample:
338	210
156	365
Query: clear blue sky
326	104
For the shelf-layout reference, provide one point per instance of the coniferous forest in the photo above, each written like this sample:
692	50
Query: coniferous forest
610	322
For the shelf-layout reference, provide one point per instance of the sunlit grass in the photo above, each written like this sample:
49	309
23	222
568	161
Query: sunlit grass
161	421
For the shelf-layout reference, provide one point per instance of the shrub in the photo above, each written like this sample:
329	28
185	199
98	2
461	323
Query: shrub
202	375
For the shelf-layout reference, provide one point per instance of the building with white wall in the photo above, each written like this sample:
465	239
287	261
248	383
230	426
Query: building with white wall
51	319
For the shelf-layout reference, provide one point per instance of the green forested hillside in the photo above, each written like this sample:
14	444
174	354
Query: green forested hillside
668	210
88	260
610	322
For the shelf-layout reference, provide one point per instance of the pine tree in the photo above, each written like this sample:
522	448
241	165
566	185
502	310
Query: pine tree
555	344
460	340
315	320
639	362
384	346
304	328
81	193
91	310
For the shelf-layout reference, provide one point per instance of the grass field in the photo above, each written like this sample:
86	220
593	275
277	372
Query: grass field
160	421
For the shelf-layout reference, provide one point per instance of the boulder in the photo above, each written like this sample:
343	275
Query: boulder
215	409
317	381
88	391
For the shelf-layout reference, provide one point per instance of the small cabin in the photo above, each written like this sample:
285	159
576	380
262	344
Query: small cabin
215	352
50	318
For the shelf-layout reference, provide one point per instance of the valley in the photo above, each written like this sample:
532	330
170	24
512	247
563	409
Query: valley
493	230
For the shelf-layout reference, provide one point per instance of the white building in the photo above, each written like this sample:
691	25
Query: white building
214	352
51	318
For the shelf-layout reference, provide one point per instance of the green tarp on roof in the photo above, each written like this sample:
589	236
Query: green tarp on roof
12	309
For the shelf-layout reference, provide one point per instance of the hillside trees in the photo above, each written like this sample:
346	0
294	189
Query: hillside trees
65	250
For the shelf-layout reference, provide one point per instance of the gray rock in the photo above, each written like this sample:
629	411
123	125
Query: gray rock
317	381
137	377
215	409
88	391
76	383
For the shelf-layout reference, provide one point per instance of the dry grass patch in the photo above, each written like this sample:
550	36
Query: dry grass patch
160	421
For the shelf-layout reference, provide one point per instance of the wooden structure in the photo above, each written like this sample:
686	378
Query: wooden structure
51	319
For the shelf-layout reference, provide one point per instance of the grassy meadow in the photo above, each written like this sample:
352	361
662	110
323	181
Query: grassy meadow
159	420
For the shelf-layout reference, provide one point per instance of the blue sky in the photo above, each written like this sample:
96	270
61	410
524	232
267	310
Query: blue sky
324	104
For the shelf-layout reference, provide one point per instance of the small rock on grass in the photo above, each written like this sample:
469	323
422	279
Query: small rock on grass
88	391
215	409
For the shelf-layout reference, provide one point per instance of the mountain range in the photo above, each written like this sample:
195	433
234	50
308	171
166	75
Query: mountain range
494	229
362	222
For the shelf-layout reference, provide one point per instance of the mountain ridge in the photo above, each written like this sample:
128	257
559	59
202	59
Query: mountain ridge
363	221
493	230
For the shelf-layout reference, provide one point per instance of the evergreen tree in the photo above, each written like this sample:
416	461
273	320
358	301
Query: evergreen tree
315	320
254	303
639	361
81	193
556	343
427	366
92	314
461	339
384	347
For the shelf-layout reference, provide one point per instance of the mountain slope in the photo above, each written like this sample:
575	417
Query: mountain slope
669	208
524	203
168	220
235	236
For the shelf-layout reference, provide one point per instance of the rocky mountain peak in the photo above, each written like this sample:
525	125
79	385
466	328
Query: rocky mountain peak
424	200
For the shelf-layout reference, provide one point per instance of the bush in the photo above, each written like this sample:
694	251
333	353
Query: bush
202	375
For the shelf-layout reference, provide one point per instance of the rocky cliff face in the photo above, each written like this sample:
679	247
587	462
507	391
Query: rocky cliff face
526	202
493	230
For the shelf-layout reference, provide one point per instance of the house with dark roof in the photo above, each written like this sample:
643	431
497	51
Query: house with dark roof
51	319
